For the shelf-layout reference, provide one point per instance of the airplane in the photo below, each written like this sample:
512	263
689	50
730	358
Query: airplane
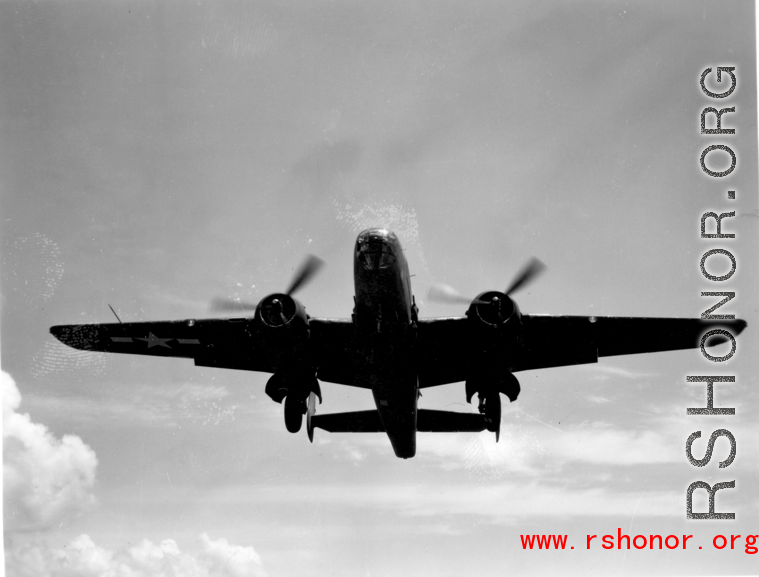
386	348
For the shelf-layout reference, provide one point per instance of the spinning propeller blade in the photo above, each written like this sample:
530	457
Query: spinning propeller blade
305	273
446	294
531	270
303	276
225	305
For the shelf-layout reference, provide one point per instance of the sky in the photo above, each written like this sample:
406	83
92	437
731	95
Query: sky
158	154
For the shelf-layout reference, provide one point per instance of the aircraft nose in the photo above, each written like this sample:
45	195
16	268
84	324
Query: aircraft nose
378	233
376	248
377	236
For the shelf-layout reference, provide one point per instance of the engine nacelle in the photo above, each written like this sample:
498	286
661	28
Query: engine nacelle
284	332
295	386
496	337
283	320
283	329
494	309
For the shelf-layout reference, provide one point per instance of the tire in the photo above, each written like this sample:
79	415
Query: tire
294	411
492	411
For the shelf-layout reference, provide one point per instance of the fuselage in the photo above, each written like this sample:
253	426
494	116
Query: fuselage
385	321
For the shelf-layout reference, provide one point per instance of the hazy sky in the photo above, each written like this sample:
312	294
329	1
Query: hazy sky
155	155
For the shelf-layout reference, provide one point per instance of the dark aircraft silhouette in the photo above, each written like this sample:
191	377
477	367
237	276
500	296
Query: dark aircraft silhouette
385	347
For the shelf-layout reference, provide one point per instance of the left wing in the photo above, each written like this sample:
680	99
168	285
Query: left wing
554	341
231	343
557	340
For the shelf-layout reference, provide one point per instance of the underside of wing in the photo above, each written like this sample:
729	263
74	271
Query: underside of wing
445	353
554	341
333	341
442	350
231	343
211	342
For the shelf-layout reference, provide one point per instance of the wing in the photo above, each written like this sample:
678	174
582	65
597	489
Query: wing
555	341
442	349
230	343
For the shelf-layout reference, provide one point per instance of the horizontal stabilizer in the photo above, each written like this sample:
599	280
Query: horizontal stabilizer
354	422
427	421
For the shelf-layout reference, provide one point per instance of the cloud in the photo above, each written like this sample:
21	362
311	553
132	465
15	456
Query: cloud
597	399
518	452
505	502
204	404
221	557
82	557
497	502
530	448
164	406
600	443
603	372
45	479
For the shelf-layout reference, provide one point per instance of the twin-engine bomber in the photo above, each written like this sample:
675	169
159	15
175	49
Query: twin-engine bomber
385	347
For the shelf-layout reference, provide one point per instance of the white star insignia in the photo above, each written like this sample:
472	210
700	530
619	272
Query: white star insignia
154	341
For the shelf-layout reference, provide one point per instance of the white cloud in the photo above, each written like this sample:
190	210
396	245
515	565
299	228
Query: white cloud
535	449
517	452
163	406
205	404
503	501
598	399
45	479
527	447
601	443
83	558
222	558
603	372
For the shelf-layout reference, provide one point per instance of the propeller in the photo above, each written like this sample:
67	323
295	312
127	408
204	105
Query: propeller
225	305
303	276
305	273
446	294
530	271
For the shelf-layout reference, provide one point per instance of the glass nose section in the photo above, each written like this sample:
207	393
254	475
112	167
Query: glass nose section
374	254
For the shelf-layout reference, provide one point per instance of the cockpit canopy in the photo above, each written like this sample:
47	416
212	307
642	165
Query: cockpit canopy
375	249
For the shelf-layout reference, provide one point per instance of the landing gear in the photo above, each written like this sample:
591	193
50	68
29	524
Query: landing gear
490	407
295	408
276	388
295	392
510	387
489	386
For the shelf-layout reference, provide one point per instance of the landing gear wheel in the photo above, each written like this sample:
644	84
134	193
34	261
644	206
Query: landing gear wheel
294	410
